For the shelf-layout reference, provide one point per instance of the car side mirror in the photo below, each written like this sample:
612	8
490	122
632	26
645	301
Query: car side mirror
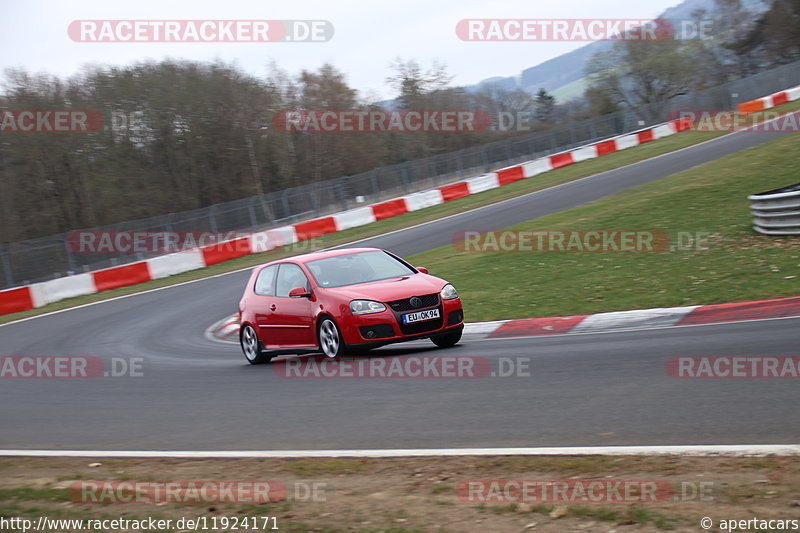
299	292
422	269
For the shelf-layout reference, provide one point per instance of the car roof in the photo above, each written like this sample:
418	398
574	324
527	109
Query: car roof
313	256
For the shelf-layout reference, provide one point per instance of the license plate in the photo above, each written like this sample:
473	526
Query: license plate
419	316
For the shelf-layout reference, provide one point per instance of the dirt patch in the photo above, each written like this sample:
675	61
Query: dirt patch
419	494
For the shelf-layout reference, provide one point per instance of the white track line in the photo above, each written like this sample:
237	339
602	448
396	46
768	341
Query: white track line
687	450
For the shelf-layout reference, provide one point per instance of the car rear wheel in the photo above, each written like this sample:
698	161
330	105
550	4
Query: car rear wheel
252	347
330	339
447	340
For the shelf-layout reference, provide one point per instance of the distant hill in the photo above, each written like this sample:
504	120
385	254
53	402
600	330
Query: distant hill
563	75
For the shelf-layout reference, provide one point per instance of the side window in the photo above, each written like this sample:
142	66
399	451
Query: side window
265	283
289	277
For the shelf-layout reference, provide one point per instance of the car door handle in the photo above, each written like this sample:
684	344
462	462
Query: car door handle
273	307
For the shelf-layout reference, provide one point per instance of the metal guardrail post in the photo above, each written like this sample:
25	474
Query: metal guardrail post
777	212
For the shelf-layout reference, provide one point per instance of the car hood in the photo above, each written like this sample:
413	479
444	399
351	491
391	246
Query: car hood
391	289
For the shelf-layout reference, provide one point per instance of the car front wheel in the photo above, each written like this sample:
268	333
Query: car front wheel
252	347
330	339
447	340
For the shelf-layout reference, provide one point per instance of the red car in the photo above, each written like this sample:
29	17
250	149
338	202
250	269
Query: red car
335	301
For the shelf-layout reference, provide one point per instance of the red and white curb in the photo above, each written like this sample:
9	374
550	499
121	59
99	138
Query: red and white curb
643	318
227	329
691	450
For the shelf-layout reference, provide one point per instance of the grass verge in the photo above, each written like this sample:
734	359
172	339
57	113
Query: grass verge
730	263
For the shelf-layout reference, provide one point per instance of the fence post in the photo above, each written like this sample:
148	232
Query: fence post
432	171
71	264
252	213
404	181
531	145
339	191
373	179
312	191
211	218
285	202
6	265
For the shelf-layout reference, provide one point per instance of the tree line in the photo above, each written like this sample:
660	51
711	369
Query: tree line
180	135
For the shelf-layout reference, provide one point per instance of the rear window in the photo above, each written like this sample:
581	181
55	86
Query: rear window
360	267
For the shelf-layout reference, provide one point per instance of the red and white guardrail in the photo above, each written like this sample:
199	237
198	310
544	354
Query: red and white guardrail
774	99
41	294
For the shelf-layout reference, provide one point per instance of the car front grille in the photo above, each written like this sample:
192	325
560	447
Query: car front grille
428	300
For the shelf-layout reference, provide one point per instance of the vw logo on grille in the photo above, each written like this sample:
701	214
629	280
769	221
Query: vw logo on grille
415	302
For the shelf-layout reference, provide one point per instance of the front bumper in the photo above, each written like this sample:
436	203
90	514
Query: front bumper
386	327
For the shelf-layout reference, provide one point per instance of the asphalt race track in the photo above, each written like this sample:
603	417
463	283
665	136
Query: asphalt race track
592	389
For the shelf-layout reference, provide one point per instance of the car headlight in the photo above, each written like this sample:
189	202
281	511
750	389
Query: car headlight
448	292
365	307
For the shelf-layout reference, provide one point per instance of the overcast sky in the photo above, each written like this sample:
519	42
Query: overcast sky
368	35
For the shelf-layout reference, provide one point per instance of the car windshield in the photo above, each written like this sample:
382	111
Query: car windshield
360	267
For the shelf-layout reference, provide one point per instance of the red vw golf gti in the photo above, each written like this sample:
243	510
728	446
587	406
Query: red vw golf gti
333	301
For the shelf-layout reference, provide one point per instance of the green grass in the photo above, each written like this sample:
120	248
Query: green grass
310	467
738	264
33	493
542	181
439	489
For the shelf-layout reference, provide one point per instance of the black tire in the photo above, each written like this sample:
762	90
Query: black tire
252	347
446	340
331	343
